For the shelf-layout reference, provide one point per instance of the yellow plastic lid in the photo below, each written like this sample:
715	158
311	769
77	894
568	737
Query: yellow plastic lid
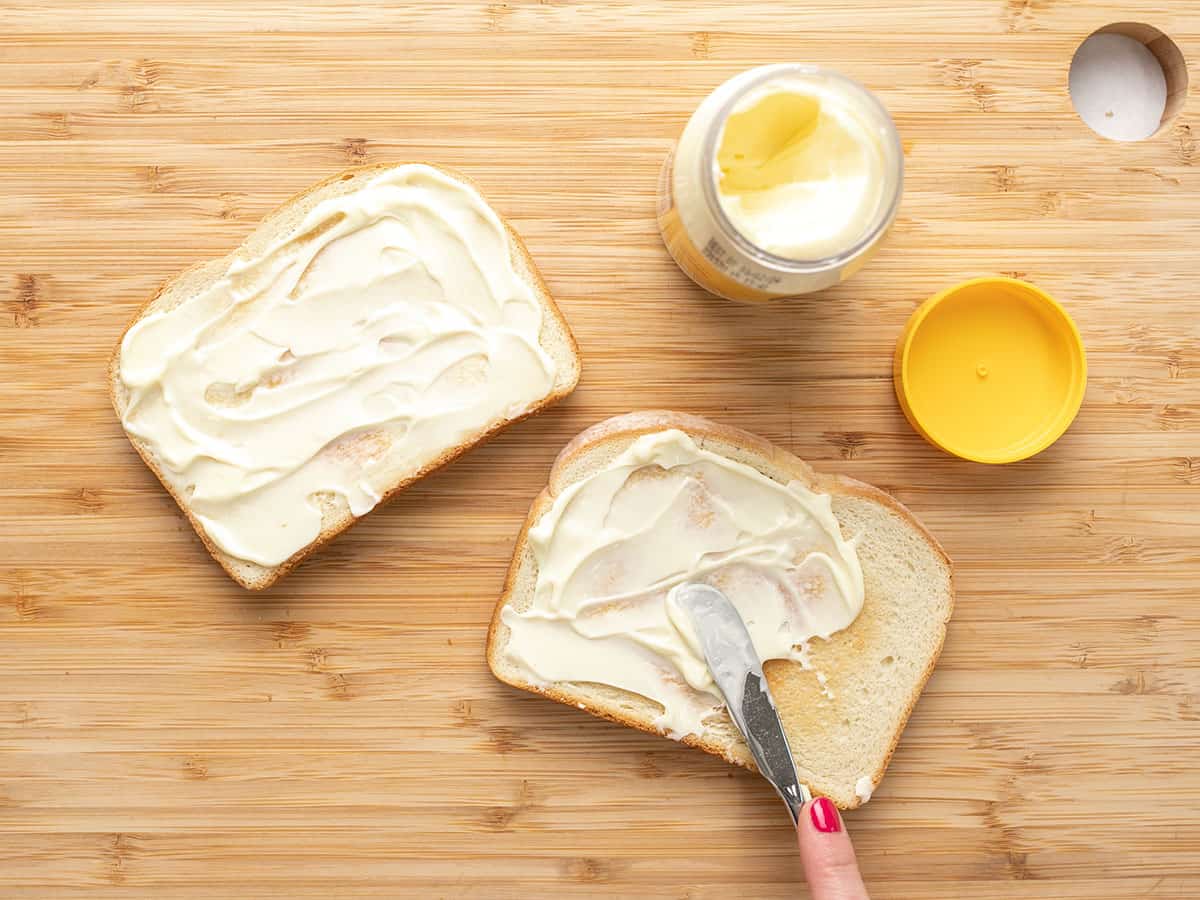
992	370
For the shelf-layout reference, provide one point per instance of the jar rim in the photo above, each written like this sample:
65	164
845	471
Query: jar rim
893	160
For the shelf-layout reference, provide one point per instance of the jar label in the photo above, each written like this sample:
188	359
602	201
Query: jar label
715	268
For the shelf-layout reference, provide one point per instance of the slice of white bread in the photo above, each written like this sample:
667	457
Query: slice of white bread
875	669
285	222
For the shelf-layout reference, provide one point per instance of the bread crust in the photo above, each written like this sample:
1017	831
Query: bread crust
633	425
270	575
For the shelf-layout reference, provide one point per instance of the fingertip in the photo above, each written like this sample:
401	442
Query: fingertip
824	815
828	856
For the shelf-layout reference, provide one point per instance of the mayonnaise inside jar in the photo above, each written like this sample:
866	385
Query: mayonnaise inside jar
783	182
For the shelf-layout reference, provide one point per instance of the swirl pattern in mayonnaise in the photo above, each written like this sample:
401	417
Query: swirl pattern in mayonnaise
388	327
666	511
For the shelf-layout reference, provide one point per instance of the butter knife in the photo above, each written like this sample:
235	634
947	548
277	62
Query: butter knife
738	672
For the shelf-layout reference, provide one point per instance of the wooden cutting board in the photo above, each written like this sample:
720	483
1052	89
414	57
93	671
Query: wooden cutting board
165	734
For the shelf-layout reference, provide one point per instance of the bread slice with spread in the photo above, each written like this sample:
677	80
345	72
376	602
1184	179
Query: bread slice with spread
843	590
368	332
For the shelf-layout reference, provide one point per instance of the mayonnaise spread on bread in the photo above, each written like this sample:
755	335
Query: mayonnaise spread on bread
388	327
666	511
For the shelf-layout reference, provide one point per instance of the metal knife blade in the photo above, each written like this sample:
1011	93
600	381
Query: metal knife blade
737	670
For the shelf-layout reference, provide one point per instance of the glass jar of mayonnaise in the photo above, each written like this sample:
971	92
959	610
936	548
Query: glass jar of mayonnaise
785	179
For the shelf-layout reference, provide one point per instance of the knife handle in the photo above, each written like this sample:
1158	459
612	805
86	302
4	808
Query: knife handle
795	802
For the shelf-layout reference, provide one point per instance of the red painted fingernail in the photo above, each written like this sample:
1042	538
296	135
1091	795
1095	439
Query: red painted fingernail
825	816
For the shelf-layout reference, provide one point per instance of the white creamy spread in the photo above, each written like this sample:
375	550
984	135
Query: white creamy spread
801	167
389	326
665	512
863	788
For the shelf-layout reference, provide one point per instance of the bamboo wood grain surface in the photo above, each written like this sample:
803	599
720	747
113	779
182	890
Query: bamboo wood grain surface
165	734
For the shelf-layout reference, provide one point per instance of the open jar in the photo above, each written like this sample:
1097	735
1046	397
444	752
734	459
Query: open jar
784	181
